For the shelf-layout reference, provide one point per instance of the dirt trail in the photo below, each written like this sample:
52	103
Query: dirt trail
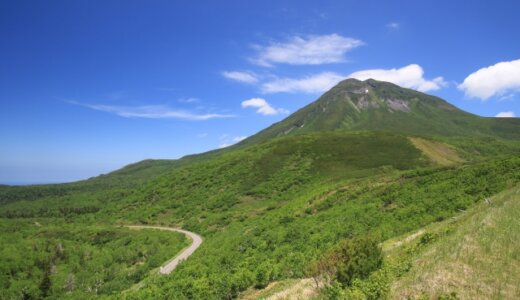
170	265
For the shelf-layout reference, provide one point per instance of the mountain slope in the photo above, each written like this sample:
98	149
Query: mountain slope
473	257
376	105
268	207
265	223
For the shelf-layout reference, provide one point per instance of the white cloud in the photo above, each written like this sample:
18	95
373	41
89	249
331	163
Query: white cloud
264	108
245	77
237	139
311	50
166	89
311	84
393	25
152	112
226	141
494	80
410	76
506	96
505	114
189	100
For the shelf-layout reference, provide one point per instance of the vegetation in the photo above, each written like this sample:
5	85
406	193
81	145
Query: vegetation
278	206
50	259
269	224
277	239
375	105
349	260
471	256
440	153
475	257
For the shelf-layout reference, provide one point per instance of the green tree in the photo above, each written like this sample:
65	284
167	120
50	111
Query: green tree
350	259
45	284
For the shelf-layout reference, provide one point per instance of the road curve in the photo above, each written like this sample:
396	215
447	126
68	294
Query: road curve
171	264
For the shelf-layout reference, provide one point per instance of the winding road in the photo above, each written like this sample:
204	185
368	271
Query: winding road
172	264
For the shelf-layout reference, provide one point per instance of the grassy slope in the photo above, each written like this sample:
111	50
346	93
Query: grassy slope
475	257
238	183
288	289
439	153
267	210
249	227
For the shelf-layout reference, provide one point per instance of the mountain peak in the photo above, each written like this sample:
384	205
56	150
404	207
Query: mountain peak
370	94
383	89
354	105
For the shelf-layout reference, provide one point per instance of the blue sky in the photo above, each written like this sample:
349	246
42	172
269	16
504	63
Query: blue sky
89	86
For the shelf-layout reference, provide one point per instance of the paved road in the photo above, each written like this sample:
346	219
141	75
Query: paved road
170	265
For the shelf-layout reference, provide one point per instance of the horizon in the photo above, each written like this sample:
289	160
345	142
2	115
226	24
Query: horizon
88	88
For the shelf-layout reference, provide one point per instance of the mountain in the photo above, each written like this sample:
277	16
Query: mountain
375	105
367	159
350	106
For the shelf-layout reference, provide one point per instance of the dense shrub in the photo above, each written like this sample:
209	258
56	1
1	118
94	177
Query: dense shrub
350	259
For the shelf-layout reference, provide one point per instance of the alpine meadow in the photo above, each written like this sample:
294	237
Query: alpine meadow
375	188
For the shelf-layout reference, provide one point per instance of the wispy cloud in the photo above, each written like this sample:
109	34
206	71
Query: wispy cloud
237	139
188	100
152	112
411	76
507	96
117	95
240	76
506	114
498	79
227	141
166	89
393	25
317	83
263	107
310	50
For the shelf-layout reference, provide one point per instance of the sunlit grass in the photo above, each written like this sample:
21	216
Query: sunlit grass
480	259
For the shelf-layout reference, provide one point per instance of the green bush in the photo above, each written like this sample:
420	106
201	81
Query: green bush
350	259
450	296
335	291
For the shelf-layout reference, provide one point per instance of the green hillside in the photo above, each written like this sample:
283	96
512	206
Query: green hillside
271	233
374	164
49	258
376	105
350	106
473	257
124	178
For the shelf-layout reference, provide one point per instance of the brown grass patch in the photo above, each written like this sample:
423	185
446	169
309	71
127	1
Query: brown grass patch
438	152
